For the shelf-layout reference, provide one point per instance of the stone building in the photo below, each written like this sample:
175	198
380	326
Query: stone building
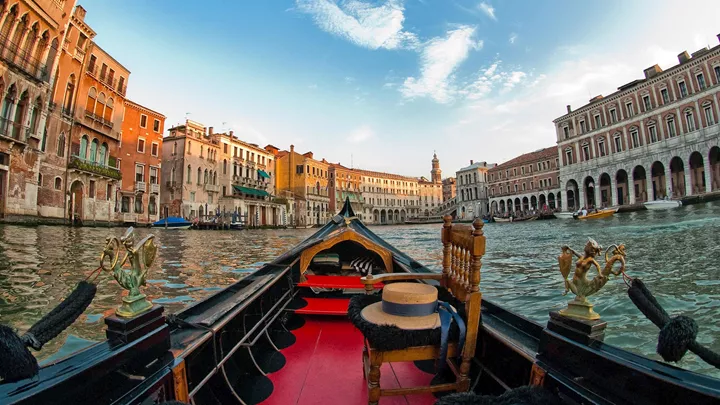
306	181
431	191
654	137
448	189
529	182
472	190
31	34
388	198
345	183
140	150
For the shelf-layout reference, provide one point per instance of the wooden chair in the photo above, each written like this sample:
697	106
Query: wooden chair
463	248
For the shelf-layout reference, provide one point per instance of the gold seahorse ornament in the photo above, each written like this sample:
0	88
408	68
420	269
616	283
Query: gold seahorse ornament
579	284
141	256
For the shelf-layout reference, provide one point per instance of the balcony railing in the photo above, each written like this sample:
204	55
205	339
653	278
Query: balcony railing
21	59
99	119
10	129
140	186
78	163
79	53
128	217
111	82
154	188
212	188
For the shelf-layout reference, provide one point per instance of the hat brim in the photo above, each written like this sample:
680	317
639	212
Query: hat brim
373	313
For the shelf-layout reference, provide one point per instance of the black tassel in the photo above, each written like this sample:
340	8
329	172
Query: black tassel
16	361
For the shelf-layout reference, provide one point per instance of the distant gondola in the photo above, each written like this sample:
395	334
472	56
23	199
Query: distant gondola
172	223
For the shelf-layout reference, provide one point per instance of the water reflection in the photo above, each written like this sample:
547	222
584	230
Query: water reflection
673	251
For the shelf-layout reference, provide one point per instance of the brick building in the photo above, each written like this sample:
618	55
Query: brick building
654	137
31	34
449	188
140	152
526	183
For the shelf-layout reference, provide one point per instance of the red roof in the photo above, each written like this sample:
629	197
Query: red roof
542	154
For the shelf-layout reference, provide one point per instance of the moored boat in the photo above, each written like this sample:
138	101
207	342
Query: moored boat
501	219
290	333
662	204
172	223
599	214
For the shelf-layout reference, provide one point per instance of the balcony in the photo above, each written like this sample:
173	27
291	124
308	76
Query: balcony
212	188
106	79
79	54
13	130
99	119
129	218
154	188
140	187
84	165
20	59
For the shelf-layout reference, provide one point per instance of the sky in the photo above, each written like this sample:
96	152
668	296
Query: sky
384	84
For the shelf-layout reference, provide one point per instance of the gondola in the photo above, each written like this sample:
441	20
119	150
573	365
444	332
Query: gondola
287	334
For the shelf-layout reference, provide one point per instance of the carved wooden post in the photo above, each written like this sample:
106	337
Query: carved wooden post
374	377
477	254
447	227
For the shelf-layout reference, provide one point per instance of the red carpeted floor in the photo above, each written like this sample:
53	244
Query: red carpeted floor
324	366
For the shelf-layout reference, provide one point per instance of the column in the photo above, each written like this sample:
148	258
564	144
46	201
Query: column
668	181
708	173
688	179
598	197
613	190
631	188
649	184
580	197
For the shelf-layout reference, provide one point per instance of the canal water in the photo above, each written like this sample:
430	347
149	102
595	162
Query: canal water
675	252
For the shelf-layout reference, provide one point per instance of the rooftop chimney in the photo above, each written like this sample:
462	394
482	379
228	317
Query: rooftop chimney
683	57
569	109
292	148
210	131
718	37
231	133
652	71
471	161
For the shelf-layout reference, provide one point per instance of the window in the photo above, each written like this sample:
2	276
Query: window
671	127
125	204
597	121
103	71
81	41
92	63
152	206
138	205
613	115
683	89
192	196
618	143
690	121
189	174
516	189
523	186
522	169
586	152
646	102
91	192
629	109
225	148
58	183
108	192
121	85
566	131
143	121
40	180
653	134
141	145
717	74
601	147
635	138
139	173
199	176
568	156
61	145
174	151
156	125
665	96
110	77
154	149
153	175
582	127
701	81
709	115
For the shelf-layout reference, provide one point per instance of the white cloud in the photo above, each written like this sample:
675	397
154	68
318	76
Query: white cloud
363	24
488	10
361	134
249	133
312	86
349	79
439	59
513	38
514	78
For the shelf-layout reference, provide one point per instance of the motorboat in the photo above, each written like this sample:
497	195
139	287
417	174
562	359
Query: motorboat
599	214
290	333
172	223
662	204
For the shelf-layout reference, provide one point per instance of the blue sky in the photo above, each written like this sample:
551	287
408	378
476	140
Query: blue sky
387	82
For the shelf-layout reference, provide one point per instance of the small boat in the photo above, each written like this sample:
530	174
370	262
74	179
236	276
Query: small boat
600	214
662	204
564	215
172	223
289	333
501	219
237	225
528	218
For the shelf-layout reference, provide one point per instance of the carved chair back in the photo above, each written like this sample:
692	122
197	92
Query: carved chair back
463	248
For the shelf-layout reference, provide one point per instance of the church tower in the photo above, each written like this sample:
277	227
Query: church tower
435	173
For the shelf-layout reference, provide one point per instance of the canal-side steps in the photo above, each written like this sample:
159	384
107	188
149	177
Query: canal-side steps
326	295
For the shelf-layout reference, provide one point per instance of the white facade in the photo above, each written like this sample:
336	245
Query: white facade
472	190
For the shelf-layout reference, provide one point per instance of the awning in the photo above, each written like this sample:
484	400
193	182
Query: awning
251	191
263	174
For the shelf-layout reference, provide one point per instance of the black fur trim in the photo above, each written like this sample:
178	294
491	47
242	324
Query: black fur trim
390	337
675	337
517	396
16	361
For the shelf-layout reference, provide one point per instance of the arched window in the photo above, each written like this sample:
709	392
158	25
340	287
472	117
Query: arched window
83	147
61	145
34	115
93	150
108	110
44	39
91	98
58	183
206	177
9	21
152	206
199	176
103	154
19	31
224	166
50	61
172	175
30	39
214	178
100	107
189	174
8	102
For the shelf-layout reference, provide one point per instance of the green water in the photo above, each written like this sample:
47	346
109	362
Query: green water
675	252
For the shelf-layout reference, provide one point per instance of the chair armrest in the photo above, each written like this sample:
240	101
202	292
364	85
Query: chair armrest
369	281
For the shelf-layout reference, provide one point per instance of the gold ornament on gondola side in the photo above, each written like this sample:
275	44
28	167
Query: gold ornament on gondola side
141	256
579	284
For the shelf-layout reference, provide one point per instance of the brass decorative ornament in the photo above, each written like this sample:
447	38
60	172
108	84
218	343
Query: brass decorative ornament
579	284
141	256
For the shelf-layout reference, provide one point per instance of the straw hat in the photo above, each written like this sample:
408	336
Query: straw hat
406	305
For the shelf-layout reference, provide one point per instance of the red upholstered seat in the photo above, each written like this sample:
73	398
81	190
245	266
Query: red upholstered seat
335	282
325	306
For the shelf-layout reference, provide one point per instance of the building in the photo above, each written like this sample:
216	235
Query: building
345	183
448	189
654	137
189	157
305	180
472	190
527	183
431	191
31	35
388	198
140	150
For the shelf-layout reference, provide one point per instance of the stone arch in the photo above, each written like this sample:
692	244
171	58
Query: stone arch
383	217
606	199
622	187
542	201
714	159
697	173
533	202
573	197
551	201
589	189
677	177
494	207
376	216
640	184
659	185
77	191
518	204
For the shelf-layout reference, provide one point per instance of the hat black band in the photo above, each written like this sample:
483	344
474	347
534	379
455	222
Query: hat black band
393	308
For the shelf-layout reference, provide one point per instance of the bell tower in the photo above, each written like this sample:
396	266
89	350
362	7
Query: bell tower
436	173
